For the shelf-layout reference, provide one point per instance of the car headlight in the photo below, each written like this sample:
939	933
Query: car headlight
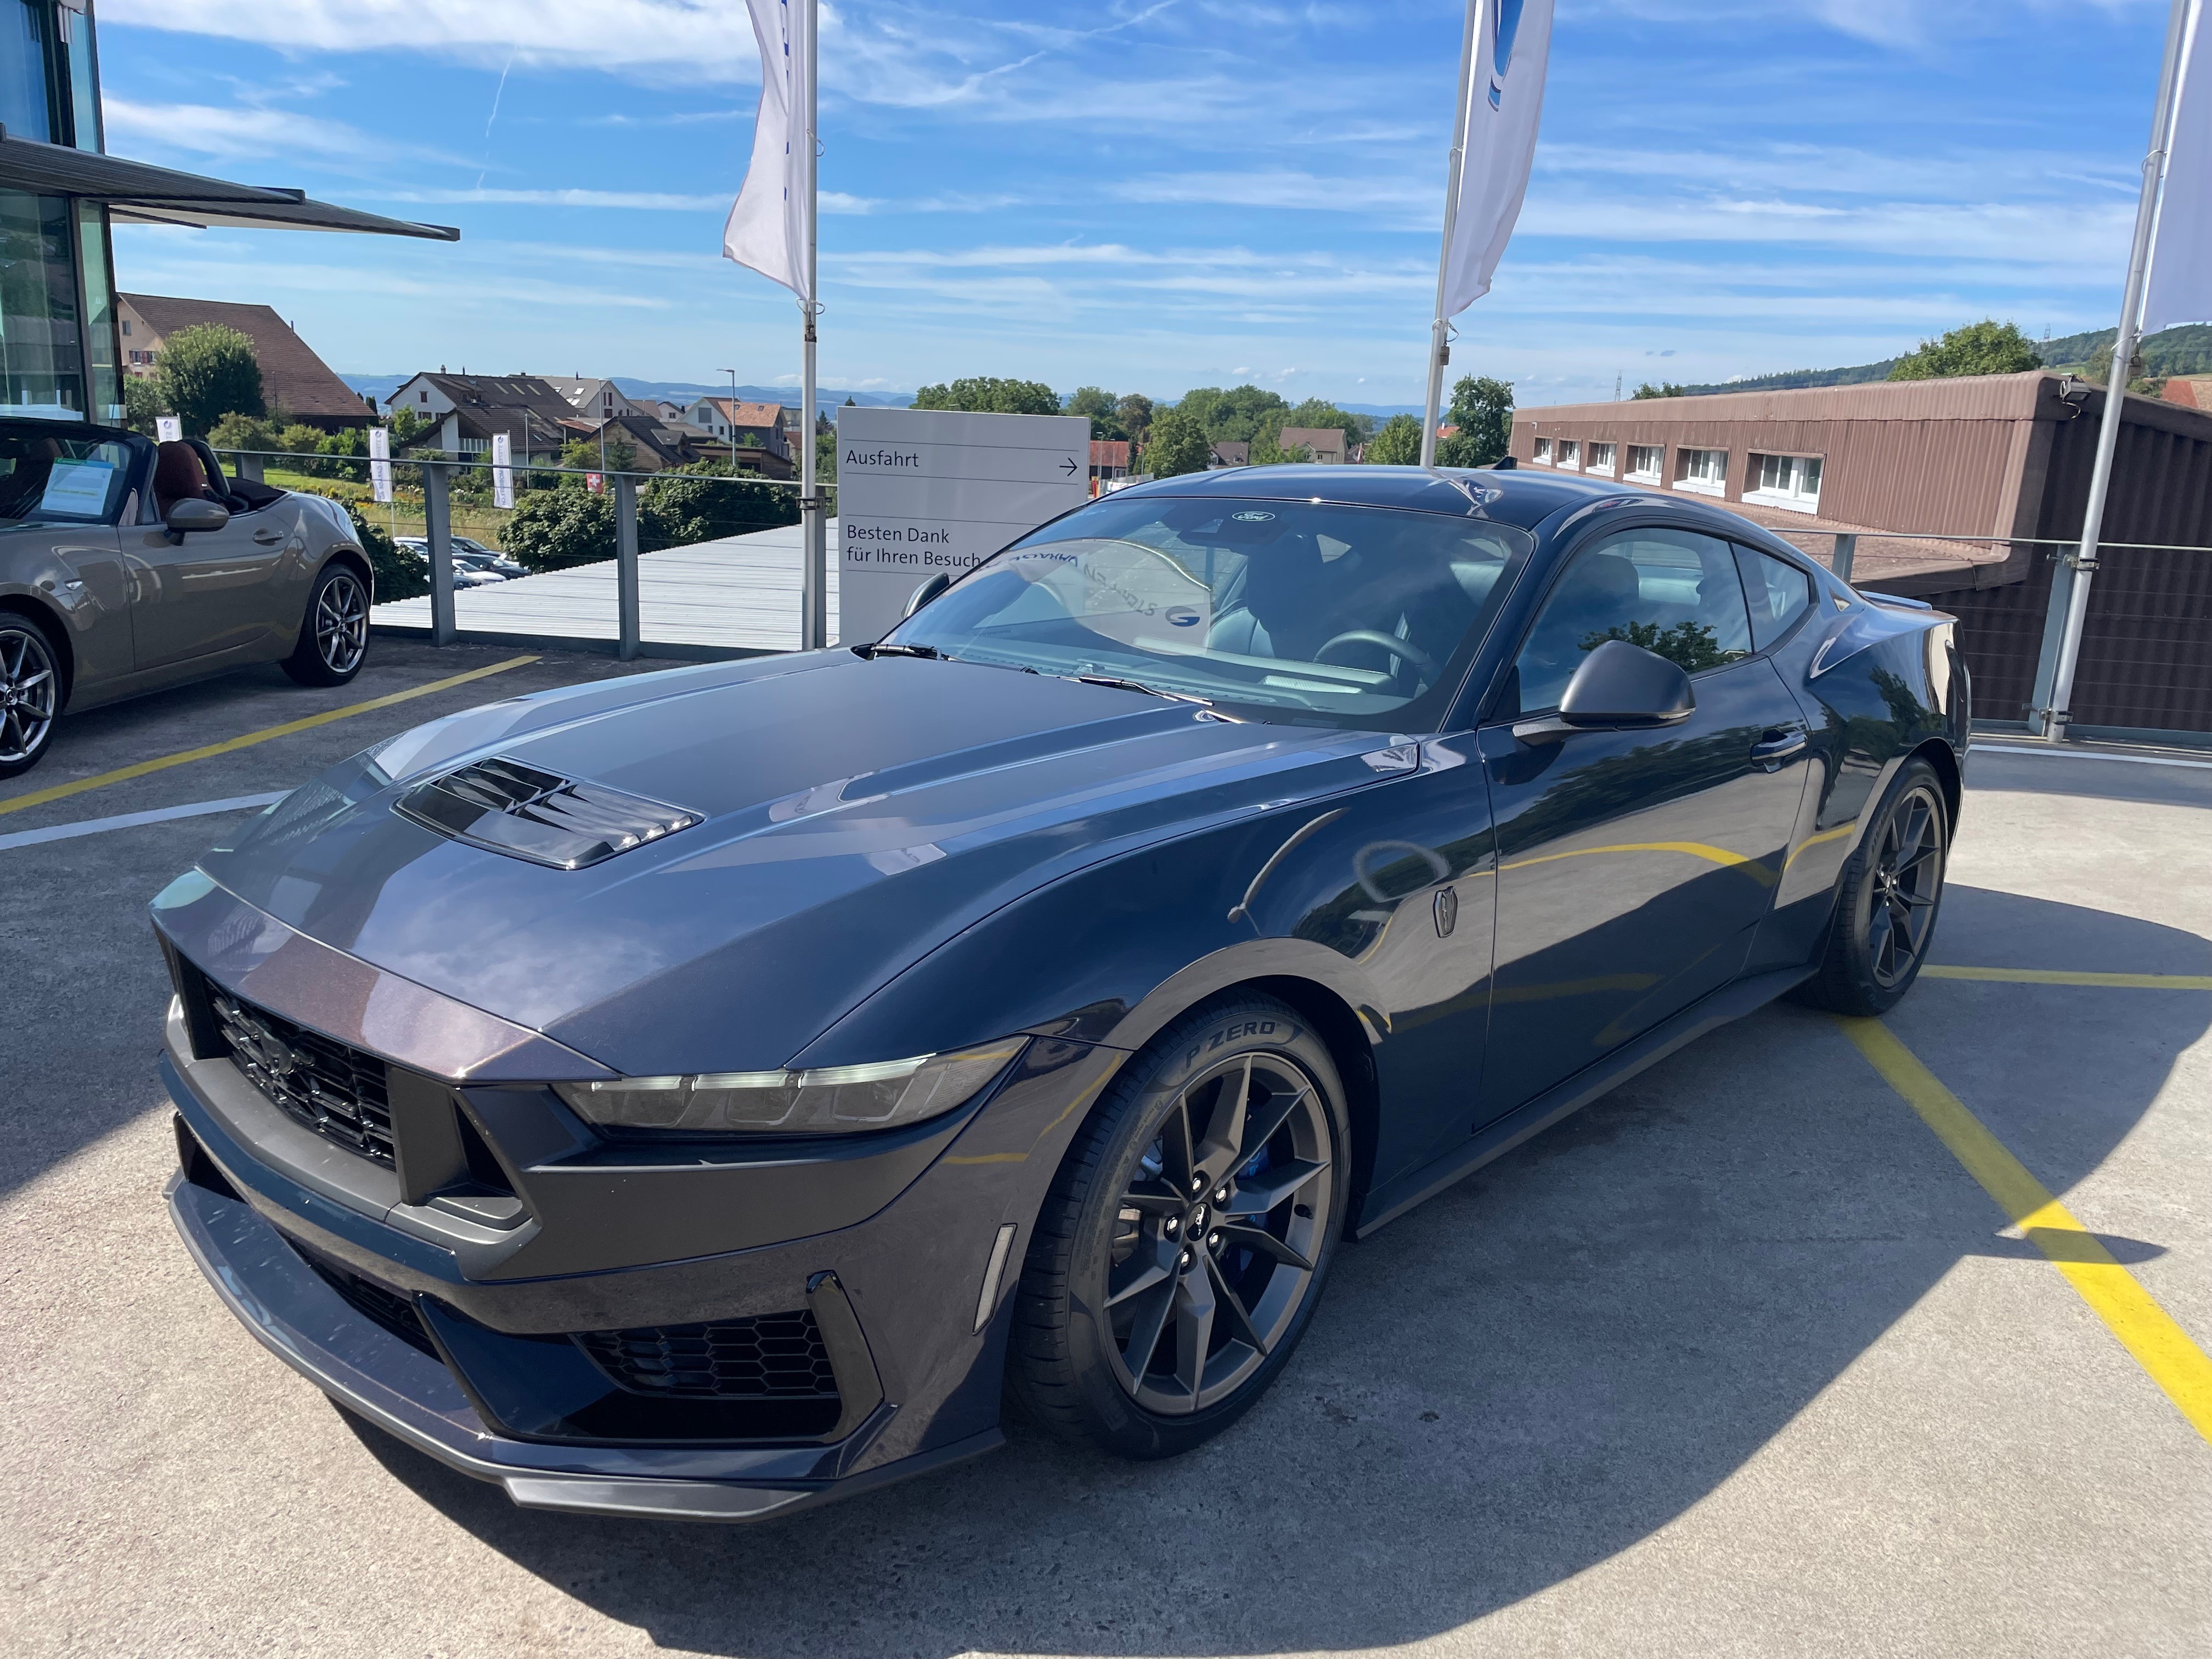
826	1100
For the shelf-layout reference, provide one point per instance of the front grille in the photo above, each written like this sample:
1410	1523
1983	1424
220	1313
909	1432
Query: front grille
336	1091
388	1308
768	1357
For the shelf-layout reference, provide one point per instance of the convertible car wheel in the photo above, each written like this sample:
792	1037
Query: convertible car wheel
1887	903
1182	1247
334	638
30	693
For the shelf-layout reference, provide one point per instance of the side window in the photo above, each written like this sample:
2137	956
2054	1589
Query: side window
1779	593
1672	592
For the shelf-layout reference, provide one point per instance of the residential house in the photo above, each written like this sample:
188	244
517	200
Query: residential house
294	379
1324	443
594	399
1109	462
1229	452
757	434
2003	458
2190	391
469	410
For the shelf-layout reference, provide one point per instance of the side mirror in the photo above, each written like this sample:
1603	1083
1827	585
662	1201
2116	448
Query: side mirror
1618	687
928	591
191	514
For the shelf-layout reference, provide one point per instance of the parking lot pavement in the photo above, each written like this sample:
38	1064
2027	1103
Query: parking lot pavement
1742	1360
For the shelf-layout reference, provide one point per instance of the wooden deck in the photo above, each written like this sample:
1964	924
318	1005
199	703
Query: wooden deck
738	594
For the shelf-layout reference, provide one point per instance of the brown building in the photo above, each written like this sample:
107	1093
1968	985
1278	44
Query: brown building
1109	460
1323	444
292	379
2002	457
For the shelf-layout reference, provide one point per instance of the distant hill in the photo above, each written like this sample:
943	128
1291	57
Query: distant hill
381	387
2186	349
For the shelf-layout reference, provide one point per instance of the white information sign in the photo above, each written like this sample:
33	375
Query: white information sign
168	429
925	491
379	462
502	469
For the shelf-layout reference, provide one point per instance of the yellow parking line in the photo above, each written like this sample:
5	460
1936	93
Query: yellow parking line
122	774
2058	977
2162	1348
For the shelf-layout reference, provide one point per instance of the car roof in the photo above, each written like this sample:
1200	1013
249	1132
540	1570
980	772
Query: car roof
1512	496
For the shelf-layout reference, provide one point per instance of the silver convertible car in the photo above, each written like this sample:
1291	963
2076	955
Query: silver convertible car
127	566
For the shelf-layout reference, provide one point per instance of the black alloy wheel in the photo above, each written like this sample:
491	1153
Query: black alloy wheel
334	637
1886	900
30	693
1182	1251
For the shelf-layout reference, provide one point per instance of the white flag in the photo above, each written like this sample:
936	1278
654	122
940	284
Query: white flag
379	463
1505	96
502	469
2180	289
168	429
768	226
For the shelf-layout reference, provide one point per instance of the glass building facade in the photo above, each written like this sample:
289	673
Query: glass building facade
57	342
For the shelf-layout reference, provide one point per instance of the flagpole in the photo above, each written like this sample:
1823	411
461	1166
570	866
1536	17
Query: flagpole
1439	347
814	622
2084	561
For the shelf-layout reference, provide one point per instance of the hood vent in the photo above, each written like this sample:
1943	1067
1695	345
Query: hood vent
505	806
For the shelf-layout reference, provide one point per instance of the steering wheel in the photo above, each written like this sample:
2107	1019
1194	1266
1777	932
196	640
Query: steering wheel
1390	642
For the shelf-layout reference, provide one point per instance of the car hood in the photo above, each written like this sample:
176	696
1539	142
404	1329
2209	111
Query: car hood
853	815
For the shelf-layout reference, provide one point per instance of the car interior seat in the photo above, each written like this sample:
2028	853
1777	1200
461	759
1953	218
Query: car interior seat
179	477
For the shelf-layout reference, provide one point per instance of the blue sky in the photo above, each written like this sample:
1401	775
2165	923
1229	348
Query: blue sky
1150	195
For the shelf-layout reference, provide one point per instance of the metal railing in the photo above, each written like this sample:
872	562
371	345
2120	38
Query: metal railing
437	473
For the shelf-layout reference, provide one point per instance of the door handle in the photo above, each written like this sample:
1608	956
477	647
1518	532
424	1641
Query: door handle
268	536
1776	747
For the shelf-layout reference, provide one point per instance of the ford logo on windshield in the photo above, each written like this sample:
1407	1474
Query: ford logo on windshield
1250	517
1183	616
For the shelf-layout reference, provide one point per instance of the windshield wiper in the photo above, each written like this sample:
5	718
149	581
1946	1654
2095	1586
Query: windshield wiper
1112	683
873	650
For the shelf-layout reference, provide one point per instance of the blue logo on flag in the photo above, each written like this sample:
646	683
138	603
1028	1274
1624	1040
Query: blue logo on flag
1505	24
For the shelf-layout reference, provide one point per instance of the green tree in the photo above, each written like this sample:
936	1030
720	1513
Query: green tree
1134	411
1238	415
1482	409
1100	409
207	372
704	503
554	529
236	431
2098	371
399	575
406	427
142	404
1178	444
1398	444
1988	347
1664	389
989	395
1691	647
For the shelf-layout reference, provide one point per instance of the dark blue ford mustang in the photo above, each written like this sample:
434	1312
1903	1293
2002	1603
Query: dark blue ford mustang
700	1094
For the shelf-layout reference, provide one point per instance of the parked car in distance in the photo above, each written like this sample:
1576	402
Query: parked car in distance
700	1094
487	559
467	572
127	566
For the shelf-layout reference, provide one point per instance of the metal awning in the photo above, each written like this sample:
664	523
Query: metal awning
138	193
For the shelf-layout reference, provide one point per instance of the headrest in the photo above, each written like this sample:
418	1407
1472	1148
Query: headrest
178	474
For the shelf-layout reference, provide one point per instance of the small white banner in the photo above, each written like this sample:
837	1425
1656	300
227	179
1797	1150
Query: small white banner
379	462
2180	288
168	429
502	469
1504	97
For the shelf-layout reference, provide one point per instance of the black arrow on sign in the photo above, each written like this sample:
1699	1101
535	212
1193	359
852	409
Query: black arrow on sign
1068	466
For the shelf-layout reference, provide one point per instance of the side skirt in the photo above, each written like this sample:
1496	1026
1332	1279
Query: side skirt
1719	1008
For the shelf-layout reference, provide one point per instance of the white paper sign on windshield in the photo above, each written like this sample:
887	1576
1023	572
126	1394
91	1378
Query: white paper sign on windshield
78	489
922	492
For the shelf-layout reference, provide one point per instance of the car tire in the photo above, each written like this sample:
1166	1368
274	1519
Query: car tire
32	692
334	633
1112	1258
1886	900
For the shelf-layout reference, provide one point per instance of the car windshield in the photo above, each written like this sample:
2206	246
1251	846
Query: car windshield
1299	611
48	478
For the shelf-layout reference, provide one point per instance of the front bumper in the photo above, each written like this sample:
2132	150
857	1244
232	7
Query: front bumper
495	1380
298	1316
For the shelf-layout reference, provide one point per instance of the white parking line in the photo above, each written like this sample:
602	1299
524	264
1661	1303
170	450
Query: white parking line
132	820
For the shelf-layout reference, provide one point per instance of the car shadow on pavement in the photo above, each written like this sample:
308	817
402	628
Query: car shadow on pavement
1531	1373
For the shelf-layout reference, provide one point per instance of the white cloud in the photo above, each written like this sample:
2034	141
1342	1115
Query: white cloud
249	133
